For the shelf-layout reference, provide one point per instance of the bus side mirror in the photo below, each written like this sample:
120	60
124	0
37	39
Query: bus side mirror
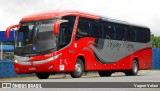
57	25
9	28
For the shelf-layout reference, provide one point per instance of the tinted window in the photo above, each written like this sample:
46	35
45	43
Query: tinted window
83	29
120	31
139	34
96	30
132	34
65	33
146	35
108	29
127	34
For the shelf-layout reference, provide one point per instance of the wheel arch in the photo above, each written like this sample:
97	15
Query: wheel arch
136	58
83	60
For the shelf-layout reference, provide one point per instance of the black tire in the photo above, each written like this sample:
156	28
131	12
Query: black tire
104	73
79	69
42	75
134	70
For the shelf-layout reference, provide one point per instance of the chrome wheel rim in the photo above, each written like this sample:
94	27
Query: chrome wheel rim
135	68
78	69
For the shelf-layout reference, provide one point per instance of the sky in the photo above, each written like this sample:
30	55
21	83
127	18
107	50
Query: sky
141	12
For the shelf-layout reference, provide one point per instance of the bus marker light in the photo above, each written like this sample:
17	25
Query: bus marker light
75	45
50	67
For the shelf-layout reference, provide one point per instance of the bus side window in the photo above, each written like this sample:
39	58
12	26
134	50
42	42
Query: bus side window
64	34
127	34
83	29
139	35
132	34
146	35
108	30
120	32
96	30
66	29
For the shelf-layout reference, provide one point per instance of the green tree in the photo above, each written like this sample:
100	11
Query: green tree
155	41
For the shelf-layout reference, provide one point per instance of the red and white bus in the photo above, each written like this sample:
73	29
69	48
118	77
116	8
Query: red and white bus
75	42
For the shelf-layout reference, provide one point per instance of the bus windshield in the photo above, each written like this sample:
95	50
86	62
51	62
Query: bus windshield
35	37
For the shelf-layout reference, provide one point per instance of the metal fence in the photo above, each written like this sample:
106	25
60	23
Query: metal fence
7	69
156	58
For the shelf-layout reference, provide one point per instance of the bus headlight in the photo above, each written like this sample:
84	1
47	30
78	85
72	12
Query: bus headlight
40	61
16	61
24	59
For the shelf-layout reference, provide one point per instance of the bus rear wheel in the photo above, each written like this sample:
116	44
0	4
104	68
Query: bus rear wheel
79	69
104	73
42	75
134	70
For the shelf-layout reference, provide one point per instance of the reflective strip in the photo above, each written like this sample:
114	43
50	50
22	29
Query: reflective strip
41	62
24	63
37	62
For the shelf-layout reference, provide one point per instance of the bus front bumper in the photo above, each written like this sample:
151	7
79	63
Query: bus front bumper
37	66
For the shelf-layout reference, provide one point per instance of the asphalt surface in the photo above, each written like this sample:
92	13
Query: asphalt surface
143	76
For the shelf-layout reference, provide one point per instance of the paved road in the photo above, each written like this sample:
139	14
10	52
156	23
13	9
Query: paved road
143	76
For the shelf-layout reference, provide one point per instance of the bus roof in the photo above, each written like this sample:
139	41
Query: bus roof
53	14
122	22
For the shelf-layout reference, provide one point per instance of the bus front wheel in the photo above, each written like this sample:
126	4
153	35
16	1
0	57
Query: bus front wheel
79	69
134	70
42	75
